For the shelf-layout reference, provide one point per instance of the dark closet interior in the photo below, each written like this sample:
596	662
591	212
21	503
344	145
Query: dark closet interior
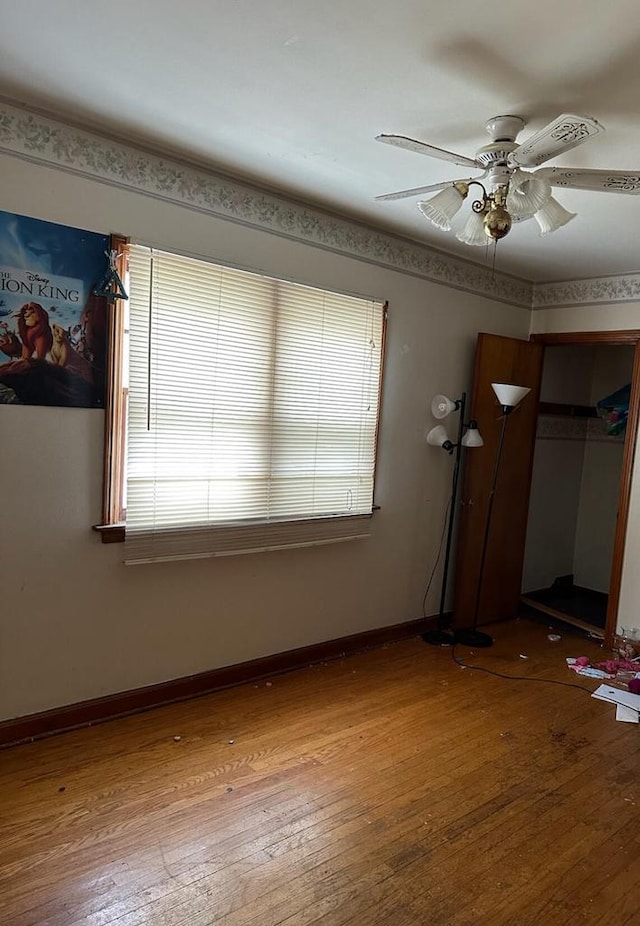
575	484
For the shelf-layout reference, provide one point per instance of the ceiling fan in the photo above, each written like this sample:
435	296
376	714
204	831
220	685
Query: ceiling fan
515	191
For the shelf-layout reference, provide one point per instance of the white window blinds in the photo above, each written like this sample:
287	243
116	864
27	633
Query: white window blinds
252	413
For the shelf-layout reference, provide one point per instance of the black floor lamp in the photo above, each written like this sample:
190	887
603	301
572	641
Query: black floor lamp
468	436
509	397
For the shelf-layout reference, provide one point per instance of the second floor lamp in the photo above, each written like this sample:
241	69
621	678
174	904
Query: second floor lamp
468	436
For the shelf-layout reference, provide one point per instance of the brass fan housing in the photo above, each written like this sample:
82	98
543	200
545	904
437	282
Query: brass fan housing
497	221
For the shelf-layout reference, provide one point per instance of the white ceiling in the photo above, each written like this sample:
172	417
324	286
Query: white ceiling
291	94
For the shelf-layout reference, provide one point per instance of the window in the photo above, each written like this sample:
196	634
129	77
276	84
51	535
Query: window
252	410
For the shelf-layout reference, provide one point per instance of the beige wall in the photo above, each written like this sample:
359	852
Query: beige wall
614	317
75	623
605	318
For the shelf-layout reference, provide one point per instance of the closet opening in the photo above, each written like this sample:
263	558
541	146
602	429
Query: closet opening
578	464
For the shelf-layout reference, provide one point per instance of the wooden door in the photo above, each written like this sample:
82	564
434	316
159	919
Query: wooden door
498	360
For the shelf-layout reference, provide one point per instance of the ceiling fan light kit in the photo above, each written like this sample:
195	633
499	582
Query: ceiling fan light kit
552	216
444	205
473	232
497	221
527	193
513	192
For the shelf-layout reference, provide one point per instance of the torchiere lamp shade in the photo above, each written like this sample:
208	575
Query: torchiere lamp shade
509	395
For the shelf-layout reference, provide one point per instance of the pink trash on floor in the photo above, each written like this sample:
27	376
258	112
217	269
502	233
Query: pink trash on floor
613	666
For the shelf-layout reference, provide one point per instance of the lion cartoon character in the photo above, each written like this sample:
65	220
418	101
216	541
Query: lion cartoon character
63	354
34	330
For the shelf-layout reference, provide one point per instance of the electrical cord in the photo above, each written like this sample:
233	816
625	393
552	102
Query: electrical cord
458	661
516	678
435	565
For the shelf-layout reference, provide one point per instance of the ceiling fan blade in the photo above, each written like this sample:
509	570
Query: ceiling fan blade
558	136
432	188
580	178
410	144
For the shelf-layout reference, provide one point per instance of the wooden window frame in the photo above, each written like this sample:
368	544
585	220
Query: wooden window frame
112	528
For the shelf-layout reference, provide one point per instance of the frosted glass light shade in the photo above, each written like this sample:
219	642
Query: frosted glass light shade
527	194
442	406
437	436
552	216
442	207
509	395
472	438
473	232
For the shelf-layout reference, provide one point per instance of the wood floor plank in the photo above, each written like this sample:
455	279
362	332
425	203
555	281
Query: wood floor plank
389	787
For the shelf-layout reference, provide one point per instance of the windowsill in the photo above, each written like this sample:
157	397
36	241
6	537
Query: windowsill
116	533
111	533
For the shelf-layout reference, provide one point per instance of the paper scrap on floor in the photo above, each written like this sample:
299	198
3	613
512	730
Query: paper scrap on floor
622	699
588	671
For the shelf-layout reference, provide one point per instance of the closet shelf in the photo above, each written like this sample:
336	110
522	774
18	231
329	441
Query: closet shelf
568	411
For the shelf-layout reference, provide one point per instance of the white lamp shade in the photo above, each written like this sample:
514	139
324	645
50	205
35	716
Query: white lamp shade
552	216
509	395
473	232
527	194
442	406
441	208
472	438
437	436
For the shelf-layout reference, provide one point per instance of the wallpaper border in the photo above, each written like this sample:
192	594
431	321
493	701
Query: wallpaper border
595	291
34	136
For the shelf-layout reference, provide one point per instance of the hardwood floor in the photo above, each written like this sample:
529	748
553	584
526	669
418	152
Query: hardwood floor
390	787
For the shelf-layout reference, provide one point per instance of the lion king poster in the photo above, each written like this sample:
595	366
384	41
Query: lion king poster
52	329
